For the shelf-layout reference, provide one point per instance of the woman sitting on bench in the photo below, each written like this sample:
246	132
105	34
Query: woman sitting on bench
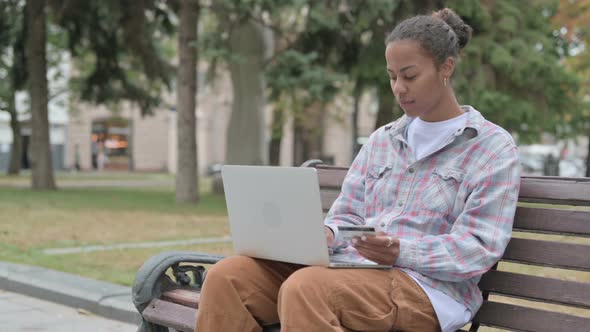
440	185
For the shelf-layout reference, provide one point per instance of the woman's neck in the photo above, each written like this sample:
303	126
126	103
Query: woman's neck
447	108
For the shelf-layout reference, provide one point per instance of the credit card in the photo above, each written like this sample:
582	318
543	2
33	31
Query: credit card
347	232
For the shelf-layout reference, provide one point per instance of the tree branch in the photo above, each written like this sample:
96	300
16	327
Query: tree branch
59	92
220	8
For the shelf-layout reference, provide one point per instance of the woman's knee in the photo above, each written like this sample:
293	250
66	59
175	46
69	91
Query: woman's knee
309	280
229	267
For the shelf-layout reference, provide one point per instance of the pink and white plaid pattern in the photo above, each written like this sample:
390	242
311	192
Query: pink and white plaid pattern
452	211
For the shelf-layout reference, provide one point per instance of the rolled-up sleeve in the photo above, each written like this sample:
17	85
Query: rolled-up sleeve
349	207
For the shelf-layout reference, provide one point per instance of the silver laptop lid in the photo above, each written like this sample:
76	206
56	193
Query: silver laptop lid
275	213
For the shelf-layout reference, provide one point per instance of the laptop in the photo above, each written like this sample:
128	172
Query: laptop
276	213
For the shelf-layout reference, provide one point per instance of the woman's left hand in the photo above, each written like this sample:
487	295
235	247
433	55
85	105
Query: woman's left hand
381	248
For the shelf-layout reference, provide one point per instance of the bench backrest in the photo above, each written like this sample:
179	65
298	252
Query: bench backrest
547	260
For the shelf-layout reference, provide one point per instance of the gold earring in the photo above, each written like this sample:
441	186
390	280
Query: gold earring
445	82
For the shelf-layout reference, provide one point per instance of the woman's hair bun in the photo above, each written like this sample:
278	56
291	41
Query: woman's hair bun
462	30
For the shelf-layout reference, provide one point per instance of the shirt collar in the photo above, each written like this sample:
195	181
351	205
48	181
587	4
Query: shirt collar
475	121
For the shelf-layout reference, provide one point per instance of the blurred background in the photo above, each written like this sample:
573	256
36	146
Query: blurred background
115	116
277	82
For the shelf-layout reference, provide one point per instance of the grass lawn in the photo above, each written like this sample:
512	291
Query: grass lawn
117	266
72	217
64	176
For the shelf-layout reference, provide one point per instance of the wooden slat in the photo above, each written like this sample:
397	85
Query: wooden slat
549	253
537	288
170	314
560	178
519	318
179	317
552	220
555	191
328	197
527	218
185	297
331	177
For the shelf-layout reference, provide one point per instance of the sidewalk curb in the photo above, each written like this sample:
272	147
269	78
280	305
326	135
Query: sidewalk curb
101	298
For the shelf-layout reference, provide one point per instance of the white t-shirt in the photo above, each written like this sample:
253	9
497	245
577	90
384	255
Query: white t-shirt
426	138
451	314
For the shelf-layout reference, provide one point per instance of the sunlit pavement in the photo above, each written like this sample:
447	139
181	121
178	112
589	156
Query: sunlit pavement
23	313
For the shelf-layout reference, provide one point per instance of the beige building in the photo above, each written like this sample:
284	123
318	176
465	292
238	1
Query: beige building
148	143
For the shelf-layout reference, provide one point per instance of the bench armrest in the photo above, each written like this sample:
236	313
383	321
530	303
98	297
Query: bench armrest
151	280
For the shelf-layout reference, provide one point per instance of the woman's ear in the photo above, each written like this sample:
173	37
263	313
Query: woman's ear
447	68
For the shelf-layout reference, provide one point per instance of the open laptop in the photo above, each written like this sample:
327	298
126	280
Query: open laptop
275	213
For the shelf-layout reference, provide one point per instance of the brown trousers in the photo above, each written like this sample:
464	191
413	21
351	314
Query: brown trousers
242	293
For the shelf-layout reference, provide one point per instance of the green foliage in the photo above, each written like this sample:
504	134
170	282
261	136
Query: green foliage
13	71
12	67
573	21
512	69
346	41
118	51
296	71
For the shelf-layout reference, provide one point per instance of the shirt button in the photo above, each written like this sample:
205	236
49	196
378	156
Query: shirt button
411	170
400	204
382	224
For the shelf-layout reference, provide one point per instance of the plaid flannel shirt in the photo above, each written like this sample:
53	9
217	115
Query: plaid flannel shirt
452	210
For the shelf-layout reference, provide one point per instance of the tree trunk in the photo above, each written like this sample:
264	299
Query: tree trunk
131	145
299	143
316	129
278	121
385	112
308	134
186	176
246	134
358	90
17	142
42	167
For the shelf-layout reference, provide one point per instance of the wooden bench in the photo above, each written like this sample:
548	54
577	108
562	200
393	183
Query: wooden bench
520	293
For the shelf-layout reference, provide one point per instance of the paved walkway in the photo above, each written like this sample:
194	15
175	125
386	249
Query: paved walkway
87	295
22	313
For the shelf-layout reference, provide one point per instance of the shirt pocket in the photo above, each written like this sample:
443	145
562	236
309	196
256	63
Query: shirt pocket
441	191
375	185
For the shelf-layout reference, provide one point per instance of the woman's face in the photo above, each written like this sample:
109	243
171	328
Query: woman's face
414	79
